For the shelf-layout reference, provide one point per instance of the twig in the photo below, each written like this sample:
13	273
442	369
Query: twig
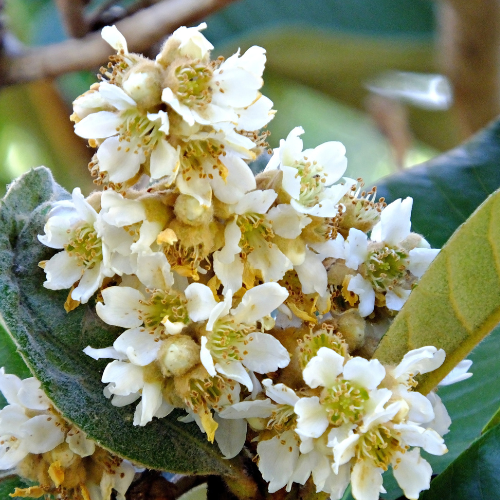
73	17
141	30
470	57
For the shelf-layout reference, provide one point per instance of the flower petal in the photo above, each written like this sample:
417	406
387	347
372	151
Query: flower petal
235	371
312	418
230	435
367	374
265	353
201	301
323	369
413	473
99	125
120	306
366	481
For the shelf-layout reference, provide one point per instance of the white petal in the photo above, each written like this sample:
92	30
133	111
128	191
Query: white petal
265	353
413	473
154	271
249	409
90	281
330	248
365	292
280	393
230	275
287	222
206	358
240	180
11	418
147	236
164	162
367	374
232	237
79	444
442	421
344	451
106	352
255	202
258	302
322	369
356	248
420	407
197	187
220	310
312	417
201	301
235	371
269	259
116	96
420	260
459	373
62	271
422	360
150	402
312	274
277	459
12	451
395	224
119	159
10	385
395	299
31	395
257	115
140	346
230	436
331	156
99	125
120	306
126	377
291	181
111	35
428	439
42	434
119	211
366	481
191	42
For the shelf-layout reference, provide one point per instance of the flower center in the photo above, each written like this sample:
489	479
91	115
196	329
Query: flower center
311	182
185	260
344	403
379	445
283	418
194	84
227	341
85	245
313	342
386	267
201	159
253	227
162	306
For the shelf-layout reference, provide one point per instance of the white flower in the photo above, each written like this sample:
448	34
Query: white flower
209	97
74	226
344	398
250	234
189	42
308	176
232	344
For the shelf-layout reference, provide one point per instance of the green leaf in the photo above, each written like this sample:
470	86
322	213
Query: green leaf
51	343
493	422
474	475
457	302
447	189
8	484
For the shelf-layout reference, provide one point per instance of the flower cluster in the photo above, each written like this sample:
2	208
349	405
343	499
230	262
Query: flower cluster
244	300
46	450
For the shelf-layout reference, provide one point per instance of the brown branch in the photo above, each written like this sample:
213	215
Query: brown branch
73	17
141	30
470	57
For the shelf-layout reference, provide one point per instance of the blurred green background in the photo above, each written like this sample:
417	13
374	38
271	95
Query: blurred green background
321	56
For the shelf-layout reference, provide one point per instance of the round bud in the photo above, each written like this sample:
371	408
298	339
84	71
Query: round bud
178	354
190	211
142	83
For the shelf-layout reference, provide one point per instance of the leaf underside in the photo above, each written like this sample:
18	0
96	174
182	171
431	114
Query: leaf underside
51	342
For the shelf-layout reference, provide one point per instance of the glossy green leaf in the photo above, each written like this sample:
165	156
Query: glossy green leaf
51	343
457	302
474	475
447	189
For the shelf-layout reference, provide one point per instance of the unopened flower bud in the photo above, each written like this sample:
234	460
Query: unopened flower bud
142	83
178	354
352	328
190	211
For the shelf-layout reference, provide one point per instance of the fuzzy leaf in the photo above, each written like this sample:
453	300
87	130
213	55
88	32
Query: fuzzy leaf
51	342
473	475
457	302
